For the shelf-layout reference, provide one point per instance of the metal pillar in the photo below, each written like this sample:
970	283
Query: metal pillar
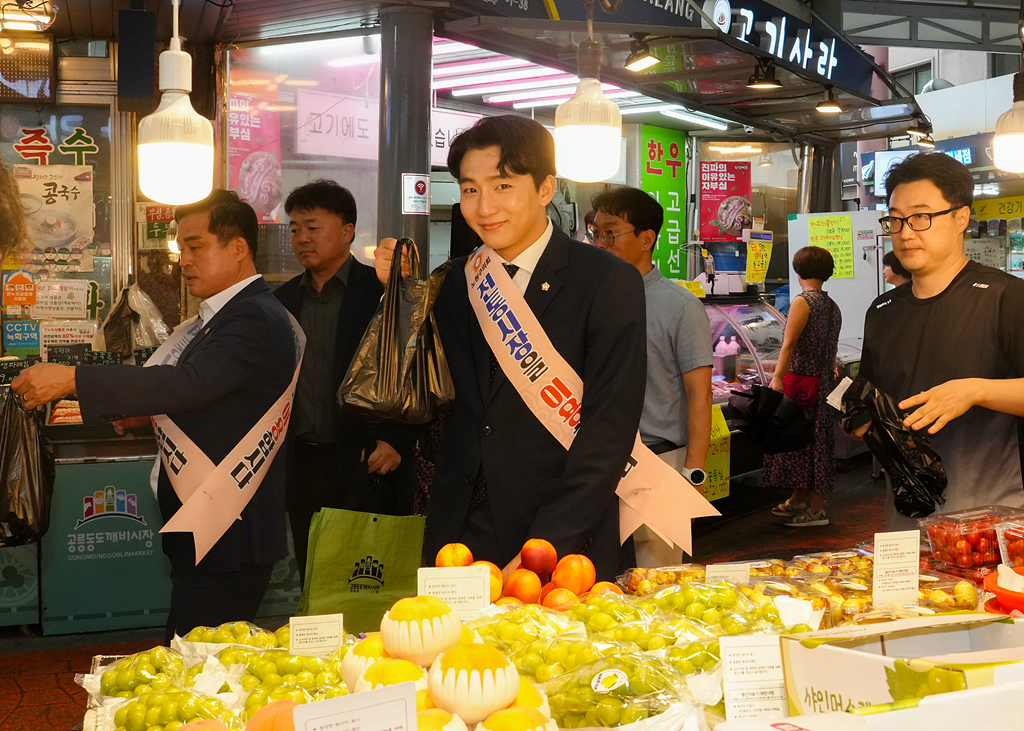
803	188
405	72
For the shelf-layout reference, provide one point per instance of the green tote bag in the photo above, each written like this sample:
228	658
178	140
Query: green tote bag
360	564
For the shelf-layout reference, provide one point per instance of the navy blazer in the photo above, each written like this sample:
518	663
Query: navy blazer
591	305
227	378
362	298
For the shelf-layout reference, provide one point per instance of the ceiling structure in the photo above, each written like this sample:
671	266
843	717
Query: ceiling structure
965	25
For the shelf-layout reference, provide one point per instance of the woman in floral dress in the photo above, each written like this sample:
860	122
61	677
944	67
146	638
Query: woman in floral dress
808	353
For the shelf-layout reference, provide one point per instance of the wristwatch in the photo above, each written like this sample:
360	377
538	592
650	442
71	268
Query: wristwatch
696	476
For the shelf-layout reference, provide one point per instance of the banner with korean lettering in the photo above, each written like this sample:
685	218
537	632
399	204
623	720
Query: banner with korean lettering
663	176
58	203
254	152
724	200
337	125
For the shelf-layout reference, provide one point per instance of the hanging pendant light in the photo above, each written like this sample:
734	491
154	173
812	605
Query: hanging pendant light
588	127
828	105
175	142
1008	144
27	15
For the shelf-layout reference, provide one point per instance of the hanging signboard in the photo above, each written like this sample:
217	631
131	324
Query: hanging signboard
663	176
58	204
724	200
444	126
337	125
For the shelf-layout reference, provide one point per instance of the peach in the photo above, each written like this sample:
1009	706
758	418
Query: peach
454	554
507	600
524	585
545	590
561	599
497	580
540	557
574	572
603	587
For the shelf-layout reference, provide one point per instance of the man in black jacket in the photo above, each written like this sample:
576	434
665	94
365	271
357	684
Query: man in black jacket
501	477
335	460
235	362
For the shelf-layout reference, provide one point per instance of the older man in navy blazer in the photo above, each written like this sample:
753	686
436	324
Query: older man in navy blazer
236	365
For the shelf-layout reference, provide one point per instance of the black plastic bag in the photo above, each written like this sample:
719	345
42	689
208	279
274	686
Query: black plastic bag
134	323
399	371
771	420
27	470
912	464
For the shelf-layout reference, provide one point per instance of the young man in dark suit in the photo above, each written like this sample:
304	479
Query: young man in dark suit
335	460
236	365
501	477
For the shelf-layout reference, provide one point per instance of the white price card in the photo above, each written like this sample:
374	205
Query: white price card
754	684
465	589
897	565
319	634
736	573
392	708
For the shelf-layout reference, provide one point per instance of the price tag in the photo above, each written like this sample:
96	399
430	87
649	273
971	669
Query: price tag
754	683
695	288
9	370
320	634
392	708
144	354
736	573
465	589
759	253
897	562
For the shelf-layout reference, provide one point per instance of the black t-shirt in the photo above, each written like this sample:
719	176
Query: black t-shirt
973	329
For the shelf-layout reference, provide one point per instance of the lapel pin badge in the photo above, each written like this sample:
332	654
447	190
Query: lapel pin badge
545	286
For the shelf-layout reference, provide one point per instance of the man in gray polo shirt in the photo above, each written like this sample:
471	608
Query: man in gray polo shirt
676	420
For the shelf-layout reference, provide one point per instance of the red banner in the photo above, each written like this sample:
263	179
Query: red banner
724	200
254	153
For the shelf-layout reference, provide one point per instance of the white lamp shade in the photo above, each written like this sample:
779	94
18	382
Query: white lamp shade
175	152
1008	145
588	128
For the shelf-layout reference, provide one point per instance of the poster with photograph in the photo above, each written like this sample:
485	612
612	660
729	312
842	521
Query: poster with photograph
58	205
254	161
724	200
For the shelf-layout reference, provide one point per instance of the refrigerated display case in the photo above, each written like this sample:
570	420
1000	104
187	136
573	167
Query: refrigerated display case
758	328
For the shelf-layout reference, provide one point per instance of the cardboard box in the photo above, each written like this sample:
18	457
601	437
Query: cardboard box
846	667
996	707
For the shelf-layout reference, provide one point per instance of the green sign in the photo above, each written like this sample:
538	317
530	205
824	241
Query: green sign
663	175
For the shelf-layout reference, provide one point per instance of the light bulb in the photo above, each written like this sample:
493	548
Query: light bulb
588	127
1008	144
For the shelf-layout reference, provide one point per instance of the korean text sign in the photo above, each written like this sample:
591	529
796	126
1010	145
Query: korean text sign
834	233
724	200
663	176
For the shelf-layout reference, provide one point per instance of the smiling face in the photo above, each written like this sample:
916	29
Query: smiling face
927	252
506	210
208	264
321	240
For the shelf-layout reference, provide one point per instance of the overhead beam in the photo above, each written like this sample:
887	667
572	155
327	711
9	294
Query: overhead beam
912	17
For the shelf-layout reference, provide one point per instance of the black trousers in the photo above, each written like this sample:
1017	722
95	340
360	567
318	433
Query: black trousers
207	600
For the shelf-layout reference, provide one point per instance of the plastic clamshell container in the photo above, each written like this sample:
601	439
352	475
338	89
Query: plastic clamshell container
968	537
1011	542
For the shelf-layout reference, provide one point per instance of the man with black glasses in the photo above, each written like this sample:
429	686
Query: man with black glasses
949	348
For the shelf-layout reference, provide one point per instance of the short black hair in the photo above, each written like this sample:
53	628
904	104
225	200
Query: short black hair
892	261
326	194
949	175
526	147
230	216
636	207
814	262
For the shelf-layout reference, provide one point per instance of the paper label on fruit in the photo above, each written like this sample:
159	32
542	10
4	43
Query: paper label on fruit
737	573
650	491
391	708
213	496
466	589
754	682
897	564
319	634
608	680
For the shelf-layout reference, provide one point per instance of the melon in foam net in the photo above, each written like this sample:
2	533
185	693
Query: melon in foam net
420	628
530	694
391	671
520	718
437	719
362	655
473	681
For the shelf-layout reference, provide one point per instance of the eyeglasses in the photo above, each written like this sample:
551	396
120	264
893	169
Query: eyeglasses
917	221
608	237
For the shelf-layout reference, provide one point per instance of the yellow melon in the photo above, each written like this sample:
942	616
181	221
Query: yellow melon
420	628
362	655
423	700
391	671
469	637
437	720
520	718
531	695
472	681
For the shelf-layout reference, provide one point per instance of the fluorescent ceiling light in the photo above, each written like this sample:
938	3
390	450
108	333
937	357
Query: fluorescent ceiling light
340	63
555	102
540	93
708	122
730	150
300	82
443	48
477	79
648	108
473	67
346	46
514	86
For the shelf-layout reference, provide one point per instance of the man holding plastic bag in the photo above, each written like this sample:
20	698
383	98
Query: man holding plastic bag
501	476
220	392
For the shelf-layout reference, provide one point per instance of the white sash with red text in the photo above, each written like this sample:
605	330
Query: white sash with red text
649	491
213	496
